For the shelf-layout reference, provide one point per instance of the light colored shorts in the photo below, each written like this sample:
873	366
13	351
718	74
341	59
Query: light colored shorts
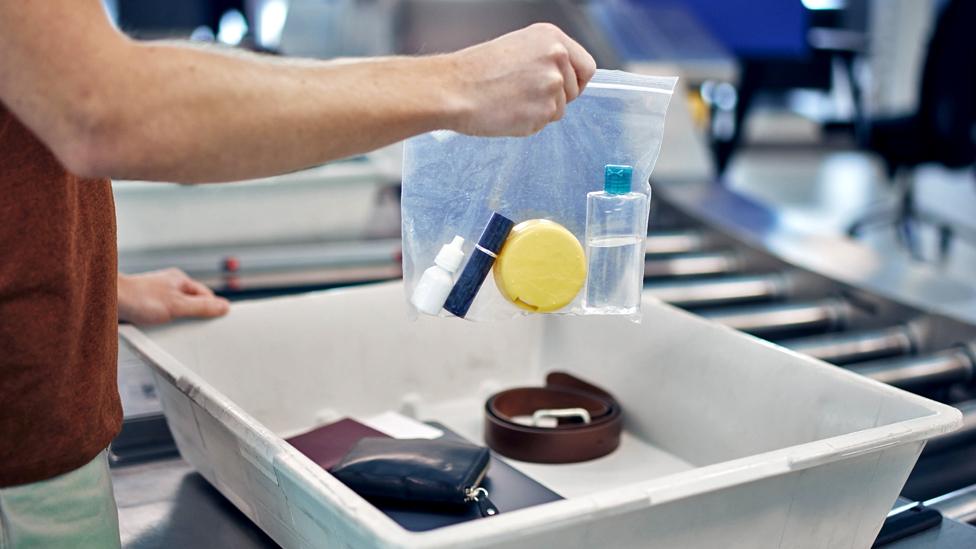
74	510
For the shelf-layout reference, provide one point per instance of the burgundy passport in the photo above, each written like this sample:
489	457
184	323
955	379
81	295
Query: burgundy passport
328	444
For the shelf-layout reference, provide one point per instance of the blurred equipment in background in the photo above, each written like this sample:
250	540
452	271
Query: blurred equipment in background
813	74
324	29
892	78
649	35
173	17
339	28
942	129
253	24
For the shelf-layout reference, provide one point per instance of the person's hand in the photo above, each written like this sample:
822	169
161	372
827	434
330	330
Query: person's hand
519	82
162	296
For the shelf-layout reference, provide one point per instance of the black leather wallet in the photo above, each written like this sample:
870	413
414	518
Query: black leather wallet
418	472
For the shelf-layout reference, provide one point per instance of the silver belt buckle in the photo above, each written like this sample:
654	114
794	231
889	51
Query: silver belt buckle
550	417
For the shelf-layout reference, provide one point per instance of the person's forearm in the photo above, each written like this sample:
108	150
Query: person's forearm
108	106
188	114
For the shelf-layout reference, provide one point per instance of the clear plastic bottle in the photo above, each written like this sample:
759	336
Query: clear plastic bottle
615	229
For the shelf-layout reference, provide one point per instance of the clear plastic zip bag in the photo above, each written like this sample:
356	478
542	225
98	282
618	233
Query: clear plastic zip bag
551	223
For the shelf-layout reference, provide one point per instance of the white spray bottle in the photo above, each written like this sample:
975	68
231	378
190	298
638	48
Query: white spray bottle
436	282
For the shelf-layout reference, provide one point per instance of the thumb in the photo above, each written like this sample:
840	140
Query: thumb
200	306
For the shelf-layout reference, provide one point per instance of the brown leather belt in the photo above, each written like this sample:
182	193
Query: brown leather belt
584	421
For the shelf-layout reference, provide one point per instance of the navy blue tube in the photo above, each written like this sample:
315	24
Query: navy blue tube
476	271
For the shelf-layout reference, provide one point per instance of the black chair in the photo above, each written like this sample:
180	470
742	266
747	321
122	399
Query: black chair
942	130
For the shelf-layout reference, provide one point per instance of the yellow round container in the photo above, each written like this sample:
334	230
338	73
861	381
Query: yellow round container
541	267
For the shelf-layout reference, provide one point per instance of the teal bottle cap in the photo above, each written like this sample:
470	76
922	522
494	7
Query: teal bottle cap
616	179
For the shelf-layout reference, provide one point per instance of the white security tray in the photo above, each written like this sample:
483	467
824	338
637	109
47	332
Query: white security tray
729	441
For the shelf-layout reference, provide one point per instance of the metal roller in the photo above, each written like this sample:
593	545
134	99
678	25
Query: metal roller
720	291
675	242
960	437
958	505
693	264
856	346
823	315
916	373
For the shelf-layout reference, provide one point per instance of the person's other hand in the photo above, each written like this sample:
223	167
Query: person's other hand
162	296
519	82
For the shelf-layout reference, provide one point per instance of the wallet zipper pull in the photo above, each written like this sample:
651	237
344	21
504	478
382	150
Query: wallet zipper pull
480	496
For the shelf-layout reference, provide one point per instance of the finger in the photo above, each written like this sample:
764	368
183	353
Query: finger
570	83
583	63
200	307
193	287
560	109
